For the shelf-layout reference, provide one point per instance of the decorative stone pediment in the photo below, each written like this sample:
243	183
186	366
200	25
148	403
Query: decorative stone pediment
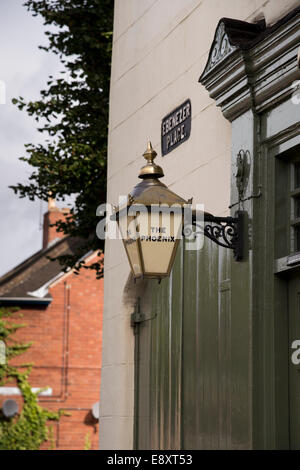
231	35
251	65
220	49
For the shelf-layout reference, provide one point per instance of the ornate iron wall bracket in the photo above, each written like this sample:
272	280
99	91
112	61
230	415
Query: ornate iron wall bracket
225	231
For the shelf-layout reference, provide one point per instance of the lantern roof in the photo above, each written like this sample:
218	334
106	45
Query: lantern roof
151	191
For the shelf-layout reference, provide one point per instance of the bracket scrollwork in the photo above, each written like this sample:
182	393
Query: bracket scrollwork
224	231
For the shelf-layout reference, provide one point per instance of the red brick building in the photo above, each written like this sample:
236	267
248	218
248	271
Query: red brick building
63	317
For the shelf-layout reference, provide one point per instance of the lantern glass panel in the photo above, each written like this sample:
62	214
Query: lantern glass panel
127	226
159	232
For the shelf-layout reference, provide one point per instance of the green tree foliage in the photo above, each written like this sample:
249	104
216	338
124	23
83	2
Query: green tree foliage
28	429
73	115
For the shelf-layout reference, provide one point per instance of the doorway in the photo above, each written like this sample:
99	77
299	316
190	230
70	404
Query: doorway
294	358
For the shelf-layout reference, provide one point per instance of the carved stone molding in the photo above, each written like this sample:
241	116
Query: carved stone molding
221	48
230	36
250	65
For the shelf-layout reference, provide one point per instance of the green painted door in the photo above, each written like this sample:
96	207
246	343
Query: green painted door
158	356
294	359
191	363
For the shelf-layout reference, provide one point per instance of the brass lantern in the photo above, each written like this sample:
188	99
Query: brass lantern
150	222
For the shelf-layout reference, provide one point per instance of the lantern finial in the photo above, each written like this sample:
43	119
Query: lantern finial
149	154
150	170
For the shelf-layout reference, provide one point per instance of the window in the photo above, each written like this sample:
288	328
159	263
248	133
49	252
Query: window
295	205
287	203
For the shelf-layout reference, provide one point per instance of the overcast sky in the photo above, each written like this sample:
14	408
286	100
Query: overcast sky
24	69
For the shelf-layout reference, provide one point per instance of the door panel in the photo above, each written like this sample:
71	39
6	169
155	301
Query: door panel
294	368
158	343
183	356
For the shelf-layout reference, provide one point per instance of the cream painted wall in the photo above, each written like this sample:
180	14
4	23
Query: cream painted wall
160	49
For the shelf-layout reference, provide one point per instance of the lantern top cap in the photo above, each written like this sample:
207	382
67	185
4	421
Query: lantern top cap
150	170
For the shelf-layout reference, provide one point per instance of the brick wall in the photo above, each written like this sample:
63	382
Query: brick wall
66	351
